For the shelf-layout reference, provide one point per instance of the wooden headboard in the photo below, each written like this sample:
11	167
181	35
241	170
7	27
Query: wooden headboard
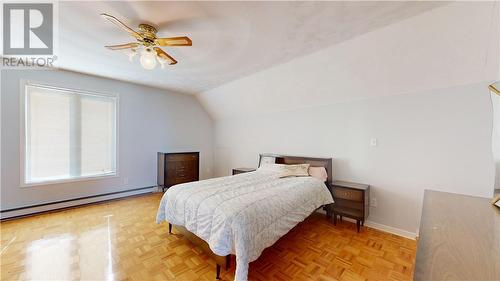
313	161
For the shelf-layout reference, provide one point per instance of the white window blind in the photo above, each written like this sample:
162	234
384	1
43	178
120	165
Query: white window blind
68	134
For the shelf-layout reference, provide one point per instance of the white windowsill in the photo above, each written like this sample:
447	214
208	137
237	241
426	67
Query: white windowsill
60	181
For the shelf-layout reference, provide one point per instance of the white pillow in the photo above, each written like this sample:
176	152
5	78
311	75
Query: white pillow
296	170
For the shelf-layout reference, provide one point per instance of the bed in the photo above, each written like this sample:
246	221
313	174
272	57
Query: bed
244	214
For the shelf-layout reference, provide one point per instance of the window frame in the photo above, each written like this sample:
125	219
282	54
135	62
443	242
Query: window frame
23	145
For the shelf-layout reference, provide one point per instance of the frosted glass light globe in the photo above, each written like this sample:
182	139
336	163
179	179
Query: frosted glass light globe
131	54
148	59
162	62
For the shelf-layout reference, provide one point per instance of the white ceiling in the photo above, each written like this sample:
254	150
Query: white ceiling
230	39
450	46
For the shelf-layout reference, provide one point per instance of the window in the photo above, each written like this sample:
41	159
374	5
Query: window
68	134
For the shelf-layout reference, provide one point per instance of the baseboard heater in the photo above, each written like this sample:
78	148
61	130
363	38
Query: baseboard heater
63	204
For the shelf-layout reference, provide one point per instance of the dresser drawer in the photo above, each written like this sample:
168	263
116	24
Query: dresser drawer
348	194
181	157
242	170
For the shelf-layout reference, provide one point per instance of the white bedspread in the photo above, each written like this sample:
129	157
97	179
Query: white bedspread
242	214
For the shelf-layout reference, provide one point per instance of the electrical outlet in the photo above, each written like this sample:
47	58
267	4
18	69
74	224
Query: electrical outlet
373	202
373	142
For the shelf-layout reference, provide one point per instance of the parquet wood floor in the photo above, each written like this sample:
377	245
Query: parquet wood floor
119	240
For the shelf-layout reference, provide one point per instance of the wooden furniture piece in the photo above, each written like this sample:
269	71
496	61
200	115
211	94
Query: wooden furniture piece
242	170
313	161
280	159
178	167
351	200
459	238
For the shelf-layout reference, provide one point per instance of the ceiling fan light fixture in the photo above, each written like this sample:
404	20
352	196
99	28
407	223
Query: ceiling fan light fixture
148	59
161	61
131	54
147	44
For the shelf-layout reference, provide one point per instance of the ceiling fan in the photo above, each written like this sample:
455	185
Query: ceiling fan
147	44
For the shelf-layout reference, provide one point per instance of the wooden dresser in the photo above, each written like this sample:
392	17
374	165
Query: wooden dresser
178	167
351	200
459	238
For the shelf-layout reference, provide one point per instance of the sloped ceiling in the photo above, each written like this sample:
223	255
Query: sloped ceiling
230	39
452	45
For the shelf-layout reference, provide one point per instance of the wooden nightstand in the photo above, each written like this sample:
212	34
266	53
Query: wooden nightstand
242	170
351	200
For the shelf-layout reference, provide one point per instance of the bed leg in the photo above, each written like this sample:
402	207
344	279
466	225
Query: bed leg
217	272
169	228
329	208
228	262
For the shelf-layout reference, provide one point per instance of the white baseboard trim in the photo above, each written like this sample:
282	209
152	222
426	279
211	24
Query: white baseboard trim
72	203
382	227
392	230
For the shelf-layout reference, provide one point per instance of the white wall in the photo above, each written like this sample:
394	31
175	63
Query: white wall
415	85
495	100
436	140
150	120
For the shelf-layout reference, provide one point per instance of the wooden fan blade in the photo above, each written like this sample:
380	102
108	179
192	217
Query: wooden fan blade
174	41
121	25
123	46
165	56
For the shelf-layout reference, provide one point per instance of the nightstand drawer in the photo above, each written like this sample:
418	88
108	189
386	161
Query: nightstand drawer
242	170
348	194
